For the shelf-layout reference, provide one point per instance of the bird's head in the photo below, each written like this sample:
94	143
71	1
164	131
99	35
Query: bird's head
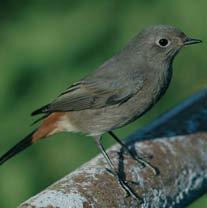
162	42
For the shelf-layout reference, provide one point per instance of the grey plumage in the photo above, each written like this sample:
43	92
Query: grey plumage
124	87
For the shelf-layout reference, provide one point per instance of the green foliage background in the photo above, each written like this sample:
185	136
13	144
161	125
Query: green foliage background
45	45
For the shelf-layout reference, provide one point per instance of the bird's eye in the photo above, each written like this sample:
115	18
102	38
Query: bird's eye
163	42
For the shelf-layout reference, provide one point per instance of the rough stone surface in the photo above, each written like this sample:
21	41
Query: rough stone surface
175	143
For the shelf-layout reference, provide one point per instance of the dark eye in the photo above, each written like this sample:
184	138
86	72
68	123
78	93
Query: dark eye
163	42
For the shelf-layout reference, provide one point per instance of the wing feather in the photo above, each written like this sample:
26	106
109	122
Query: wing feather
89	94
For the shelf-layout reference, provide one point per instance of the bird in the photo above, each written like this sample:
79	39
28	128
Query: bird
117	93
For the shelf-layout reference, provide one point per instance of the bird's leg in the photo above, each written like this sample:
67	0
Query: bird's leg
135	157
122	182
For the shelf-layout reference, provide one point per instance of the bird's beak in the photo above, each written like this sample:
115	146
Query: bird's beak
190	41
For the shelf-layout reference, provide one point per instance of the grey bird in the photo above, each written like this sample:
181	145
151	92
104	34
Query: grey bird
117	93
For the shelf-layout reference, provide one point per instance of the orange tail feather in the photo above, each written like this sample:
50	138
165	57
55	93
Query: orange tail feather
48	127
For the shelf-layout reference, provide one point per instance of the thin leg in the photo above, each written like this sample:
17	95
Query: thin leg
137	158
123	184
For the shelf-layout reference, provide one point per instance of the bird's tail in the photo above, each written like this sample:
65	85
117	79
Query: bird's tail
48	127
23	144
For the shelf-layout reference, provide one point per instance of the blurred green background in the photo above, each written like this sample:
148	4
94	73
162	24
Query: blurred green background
46	45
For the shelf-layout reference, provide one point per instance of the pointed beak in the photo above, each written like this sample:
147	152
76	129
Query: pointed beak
190	41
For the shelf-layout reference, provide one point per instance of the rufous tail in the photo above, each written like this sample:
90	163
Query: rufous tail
48	127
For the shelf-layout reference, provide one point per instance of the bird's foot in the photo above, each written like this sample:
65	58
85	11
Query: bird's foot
143	162
140	160
125	187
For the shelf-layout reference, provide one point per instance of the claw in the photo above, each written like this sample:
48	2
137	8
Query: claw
128	191
155	170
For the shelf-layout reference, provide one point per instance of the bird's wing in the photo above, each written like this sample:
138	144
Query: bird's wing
88	94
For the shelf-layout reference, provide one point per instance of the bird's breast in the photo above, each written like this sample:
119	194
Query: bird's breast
161	83
154	88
